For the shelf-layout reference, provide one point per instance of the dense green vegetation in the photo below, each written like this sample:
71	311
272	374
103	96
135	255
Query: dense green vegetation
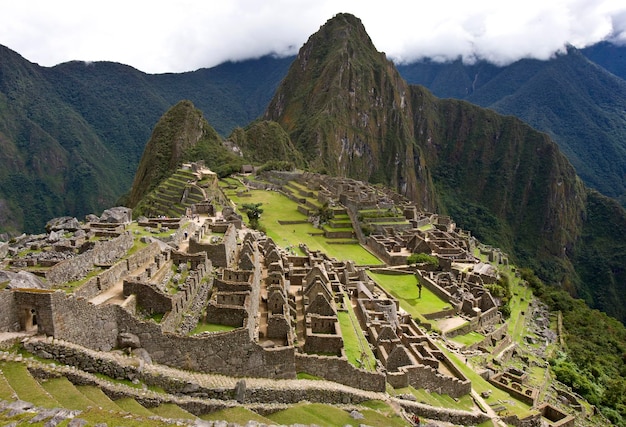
72	135
578	103
594	363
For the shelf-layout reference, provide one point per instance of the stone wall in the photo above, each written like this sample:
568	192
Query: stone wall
341	371
227	353
78	321
420	376
148	297
36	302
9	320
104	252
112	275
222	254
227	315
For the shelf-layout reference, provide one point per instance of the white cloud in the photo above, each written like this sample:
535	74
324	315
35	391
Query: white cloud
182	35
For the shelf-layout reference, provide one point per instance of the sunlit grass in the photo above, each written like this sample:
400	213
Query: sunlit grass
210	327
355	345
326	415
465	403
25	386
469	338
404	288
276	207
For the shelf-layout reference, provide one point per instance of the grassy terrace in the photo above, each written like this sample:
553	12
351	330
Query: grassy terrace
355	345
468	339
479	384
464	403
404	288
325	415
276	207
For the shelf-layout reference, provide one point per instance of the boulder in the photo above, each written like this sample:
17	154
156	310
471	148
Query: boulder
21	279
126	339
4	249
117	215
92	218
63	223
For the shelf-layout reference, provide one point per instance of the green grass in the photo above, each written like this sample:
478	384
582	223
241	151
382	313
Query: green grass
326	415
210	327
277	207
404	288
521	297
95	394
354	342
237	415
6	391
171	410
26	387
480	385
465	403
66	393
129	404
468	339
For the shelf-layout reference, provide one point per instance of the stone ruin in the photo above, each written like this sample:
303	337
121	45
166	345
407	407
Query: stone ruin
282	308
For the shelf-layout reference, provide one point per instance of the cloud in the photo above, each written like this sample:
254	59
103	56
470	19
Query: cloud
181	35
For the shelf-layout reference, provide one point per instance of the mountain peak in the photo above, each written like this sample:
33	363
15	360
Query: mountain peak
345	107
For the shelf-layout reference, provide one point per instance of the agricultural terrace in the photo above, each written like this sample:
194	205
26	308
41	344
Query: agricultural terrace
276	207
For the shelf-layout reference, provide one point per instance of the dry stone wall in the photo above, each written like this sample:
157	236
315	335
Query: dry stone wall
340	371
9	320
78	321
228	353
103	252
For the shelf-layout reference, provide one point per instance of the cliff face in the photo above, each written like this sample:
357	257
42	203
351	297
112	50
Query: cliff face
351	114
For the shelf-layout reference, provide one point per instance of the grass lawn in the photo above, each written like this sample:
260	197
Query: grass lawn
468	339
326	415
521	297
66	393
210	327
95	394
404	288
25	386
237	415
278	207
171	410
6	392
129	404
465	403
354	342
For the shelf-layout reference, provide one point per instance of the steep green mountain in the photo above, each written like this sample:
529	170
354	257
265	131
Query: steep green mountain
609	56
52	160
182	134
578	103
263	141
347	109
71	136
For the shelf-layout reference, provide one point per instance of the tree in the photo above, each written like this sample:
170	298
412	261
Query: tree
253	211
422	258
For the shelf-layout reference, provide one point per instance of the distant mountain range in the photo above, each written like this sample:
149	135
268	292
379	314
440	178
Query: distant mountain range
580	104
71	136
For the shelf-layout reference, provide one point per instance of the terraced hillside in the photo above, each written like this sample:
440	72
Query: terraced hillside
178	193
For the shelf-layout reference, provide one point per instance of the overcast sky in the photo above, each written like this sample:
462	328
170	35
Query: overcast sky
159	36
